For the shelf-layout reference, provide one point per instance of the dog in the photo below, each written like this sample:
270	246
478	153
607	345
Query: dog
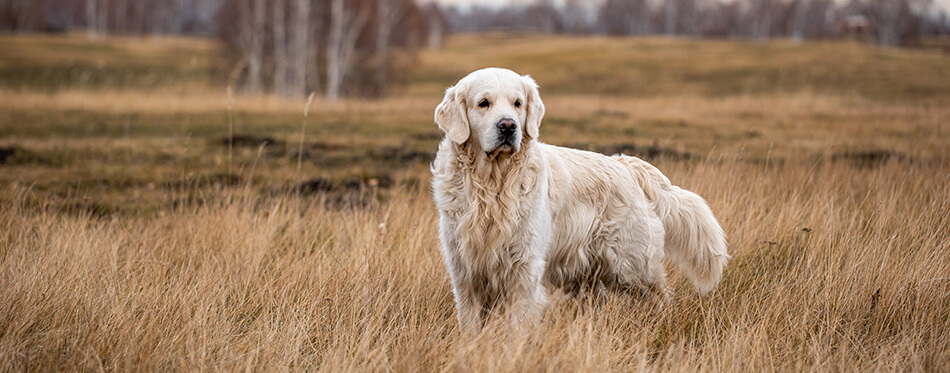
519	218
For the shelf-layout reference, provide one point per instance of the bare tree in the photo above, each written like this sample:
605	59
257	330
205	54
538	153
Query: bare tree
626	17
299	68
249	35
576	17
121	16
139	21
388	14
348	45
759	15
670	17
281	57
91	14
691	18
102	19
346	22
436	25
543	16
895	20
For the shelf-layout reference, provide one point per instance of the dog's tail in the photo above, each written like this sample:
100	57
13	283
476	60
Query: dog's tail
694	240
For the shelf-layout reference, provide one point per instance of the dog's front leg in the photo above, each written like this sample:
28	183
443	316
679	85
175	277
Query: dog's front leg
526	312
528	295
469	311
527	308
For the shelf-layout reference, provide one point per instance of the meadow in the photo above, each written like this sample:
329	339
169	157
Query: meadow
151	221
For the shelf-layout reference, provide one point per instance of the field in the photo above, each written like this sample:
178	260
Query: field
134	235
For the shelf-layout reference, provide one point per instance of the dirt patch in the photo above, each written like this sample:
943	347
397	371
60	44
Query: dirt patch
869	158
402	155
319	185
8	154
206	180
388	156
92	209
649	152
16	155
249	141
317	152
314	186
603	113
427	136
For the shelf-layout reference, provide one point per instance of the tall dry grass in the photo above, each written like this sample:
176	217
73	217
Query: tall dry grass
125	244
837	266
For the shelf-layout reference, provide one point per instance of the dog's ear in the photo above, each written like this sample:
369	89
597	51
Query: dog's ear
452	116
533	106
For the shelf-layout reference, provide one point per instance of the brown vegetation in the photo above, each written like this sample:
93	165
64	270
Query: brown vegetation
125	244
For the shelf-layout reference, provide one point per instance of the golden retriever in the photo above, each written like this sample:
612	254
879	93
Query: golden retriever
519	217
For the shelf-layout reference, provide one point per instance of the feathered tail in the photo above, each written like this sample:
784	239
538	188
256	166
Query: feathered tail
694	240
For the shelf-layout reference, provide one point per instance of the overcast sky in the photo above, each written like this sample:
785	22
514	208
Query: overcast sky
944	4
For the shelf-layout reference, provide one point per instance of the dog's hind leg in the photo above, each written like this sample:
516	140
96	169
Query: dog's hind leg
655	274
636	263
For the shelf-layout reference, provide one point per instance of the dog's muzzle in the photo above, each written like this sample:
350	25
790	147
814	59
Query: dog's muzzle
508	138
506	130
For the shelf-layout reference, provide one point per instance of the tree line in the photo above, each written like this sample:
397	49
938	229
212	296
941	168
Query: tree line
97	17
888	22
362	47
337	47
288	47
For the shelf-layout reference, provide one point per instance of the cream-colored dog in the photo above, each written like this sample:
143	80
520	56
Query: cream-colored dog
518	216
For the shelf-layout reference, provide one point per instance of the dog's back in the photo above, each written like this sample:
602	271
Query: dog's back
622	212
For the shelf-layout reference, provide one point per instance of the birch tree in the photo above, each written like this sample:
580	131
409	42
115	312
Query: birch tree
252	39
91	14
280	48
388	14
301	63
345	26
435	25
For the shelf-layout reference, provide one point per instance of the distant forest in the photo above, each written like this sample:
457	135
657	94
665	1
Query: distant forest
336	48
888	22
361	47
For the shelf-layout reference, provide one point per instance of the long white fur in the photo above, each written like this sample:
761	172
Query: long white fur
518	220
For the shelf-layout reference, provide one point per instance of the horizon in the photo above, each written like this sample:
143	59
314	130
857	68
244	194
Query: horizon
940	5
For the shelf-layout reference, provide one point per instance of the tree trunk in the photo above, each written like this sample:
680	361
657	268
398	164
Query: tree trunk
103	18
121	14
345	27
801	19
299	40
256	50
643	13
669	18
334	46
139	10
436	33
280	50
315	44
91	23
388	14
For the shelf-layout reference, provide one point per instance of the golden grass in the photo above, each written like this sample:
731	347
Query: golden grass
836	268
124	246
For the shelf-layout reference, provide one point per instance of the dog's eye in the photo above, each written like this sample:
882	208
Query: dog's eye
484	103
517	103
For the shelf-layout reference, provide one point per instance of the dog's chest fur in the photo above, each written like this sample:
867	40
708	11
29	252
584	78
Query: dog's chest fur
492	212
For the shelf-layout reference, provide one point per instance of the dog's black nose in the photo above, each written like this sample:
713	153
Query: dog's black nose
506	126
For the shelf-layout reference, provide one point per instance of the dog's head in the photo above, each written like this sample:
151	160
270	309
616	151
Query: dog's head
494	109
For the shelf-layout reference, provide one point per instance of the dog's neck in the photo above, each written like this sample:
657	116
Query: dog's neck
492	173
495	191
